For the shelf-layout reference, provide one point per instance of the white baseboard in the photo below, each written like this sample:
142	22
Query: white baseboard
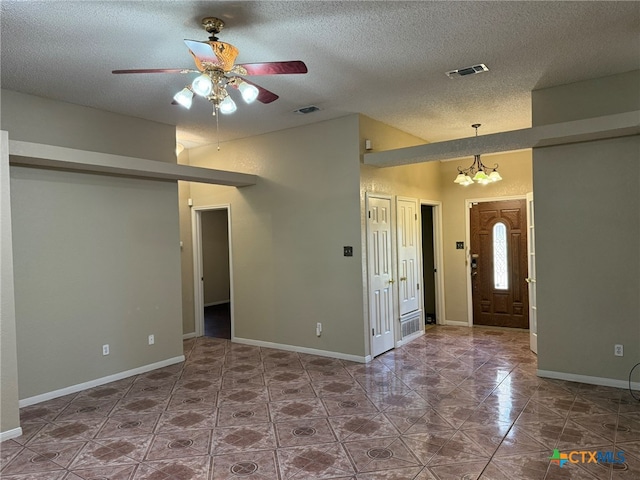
295	348
25	402
9	434
572	377
455	323
187	336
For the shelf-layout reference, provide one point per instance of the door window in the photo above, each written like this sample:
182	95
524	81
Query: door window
500	266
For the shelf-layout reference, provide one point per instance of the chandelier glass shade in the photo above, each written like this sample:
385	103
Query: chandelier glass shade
477	172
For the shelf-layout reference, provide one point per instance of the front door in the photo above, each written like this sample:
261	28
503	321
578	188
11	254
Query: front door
499	263
380	268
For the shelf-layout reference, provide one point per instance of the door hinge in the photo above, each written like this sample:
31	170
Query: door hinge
418	286
373	332
369	213
416	217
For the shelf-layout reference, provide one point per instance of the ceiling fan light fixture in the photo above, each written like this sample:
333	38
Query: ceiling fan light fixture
184	97
202	85
249	92
227	106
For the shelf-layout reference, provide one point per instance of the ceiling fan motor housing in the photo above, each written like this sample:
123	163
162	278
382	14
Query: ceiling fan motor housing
213	26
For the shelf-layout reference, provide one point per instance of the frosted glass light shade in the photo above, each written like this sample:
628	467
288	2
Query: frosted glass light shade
227	106
202	85
480	176
249	92
495	176
461	178
184	97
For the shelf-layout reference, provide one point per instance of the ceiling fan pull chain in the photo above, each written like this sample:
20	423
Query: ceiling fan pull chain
217	126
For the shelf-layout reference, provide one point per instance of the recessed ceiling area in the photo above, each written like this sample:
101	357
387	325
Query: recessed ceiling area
386	60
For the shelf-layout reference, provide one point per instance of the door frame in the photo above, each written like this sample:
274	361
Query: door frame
438	257
198	290
394	261
467	251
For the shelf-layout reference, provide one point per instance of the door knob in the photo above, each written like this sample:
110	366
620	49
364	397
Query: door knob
402	279
391	280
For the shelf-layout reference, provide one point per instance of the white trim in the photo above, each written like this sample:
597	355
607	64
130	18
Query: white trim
438	256
309	351
187	336
9	434
572	377
99	381
196	239
455	323
467	252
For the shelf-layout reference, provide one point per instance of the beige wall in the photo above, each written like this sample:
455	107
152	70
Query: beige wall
96	262
587	199
40	120
588	275
288	231
9	415
515	169
96	258
591	98
215	256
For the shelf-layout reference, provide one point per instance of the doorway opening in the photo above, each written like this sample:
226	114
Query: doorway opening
213	291
428	265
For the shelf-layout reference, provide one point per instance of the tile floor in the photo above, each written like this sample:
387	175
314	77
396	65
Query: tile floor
457	403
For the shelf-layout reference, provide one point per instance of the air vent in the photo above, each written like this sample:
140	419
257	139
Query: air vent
463	72
305	110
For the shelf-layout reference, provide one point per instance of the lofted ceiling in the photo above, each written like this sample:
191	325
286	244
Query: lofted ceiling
386	60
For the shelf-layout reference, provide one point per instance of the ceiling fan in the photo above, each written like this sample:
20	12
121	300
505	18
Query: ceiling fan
215	61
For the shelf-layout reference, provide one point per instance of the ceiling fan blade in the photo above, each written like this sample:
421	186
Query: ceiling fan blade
264	95
274	68
202	51
156	70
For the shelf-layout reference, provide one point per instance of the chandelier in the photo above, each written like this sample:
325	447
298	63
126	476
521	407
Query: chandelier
477	172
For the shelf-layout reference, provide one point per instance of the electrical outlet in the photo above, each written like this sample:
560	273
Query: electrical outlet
152	339
318	329
618	350
105	349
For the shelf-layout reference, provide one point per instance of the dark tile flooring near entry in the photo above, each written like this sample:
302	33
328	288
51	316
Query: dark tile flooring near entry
457	403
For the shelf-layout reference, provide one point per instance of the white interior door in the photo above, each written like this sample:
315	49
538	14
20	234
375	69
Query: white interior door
380	268
408	258
531	279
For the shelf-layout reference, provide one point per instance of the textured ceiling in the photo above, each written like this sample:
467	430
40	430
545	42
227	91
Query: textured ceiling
386	60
